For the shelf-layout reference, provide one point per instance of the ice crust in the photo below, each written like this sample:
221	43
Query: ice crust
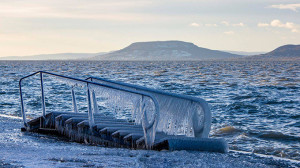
177	116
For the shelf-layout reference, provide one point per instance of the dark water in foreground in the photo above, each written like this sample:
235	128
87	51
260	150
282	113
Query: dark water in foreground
255	105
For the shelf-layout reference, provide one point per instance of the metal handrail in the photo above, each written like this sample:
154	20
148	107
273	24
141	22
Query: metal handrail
202	102
196	99
146	128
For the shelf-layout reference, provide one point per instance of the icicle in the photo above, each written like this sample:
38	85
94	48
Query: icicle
74	101
95	105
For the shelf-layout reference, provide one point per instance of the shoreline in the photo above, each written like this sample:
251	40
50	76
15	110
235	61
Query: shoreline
34	150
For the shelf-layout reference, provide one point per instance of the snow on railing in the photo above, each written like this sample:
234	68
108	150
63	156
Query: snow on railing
144	106
178	115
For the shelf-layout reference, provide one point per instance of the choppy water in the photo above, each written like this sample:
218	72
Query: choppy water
255	105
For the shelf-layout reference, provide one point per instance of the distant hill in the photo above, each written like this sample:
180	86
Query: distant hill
165	50
59	56
283	52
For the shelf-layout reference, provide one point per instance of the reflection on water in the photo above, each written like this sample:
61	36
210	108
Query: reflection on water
255	105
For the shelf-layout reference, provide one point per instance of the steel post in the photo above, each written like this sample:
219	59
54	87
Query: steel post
43	96
90	110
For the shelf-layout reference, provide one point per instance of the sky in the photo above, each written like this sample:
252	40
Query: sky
30	27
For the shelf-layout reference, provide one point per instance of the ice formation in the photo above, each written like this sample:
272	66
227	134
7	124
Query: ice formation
178	115
128	104
153	109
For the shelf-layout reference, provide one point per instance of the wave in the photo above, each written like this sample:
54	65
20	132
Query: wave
227	130
10	116
278	152
269	135
270	102
278	136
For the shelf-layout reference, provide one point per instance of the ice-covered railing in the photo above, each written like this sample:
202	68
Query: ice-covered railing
179	114
145	108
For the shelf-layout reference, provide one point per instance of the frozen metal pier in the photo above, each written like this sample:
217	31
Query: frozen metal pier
123	115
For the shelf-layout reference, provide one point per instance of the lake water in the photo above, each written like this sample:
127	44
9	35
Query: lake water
255	105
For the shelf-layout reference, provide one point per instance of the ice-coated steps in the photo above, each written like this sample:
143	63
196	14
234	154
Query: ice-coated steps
109	131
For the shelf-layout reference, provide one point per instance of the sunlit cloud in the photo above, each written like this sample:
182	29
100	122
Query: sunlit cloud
288	25
263	24
292	7
277	23
229	32
194	24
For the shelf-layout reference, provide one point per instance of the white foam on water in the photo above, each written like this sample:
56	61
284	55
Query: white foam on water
10	116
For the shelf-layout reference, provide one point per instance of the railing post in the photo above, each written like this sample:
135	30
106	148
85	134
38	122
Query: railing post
22	105
90	110
43	96
74	101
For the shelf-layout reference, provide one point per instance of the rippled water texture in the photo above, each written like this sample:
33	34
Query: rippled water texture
255	105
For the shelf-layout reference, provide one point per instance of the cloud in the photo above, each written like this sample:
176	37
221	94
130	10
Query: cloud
108	10
239	24
211	25
277	23
194	24
225	23
229	32
292	7
287	25
263	24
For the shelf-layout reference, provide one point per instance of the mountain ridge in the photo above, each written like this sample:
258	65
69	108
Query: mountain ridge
289	51
167	51
164	50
